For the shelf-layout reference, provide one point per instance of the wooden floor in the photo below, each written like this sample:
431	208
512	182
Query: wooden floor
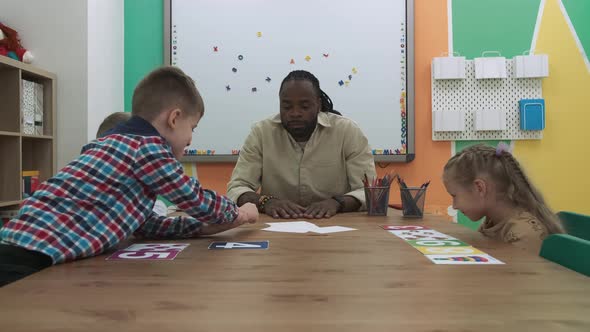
364	280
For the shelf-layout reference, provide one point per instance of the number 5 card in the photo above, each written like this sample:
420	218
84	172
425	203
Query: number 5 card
149	251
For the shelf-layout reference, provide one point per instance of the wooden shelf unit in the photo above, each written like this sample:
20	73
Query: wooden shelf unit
18	151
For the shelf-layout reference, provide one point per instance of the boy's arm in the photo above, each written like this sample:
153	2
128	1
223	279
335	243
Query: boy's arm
157	226
157	168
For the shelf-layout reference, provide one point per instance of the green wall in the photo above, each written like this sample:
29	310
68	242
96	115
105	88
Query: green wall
579	13
506	26
144	39
500	25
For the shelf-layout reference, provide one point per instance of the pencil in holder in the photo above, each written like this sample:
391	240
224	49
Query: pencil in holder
377	199
413	201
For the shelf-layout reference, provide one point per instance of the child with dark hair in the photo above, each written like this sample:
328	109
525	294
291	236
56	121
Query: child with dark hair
111	121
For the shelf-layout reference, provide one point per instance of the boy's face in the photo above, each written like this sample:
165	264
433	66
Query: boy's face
180	133
467	199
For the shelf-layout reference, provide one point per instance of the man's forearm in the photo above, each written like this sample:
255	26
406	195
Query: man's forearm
351	204
248	197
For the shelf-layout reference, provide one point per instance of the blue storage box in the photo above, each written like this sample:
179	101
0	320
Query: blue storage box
532	114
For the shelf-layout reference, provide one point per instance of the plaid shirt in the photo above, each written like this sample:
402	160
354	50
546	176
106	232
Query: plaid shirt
107	194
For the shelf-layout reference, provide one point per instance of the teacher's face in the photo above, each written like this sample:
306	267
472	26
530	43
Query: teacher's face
300	106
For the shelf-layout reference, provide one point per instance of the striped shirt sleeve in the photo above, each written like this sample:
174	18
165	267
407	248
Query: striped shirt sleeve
157	168
157	226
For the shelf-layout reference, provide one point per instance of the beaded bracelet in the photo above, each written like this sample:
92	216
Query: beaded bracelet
262	202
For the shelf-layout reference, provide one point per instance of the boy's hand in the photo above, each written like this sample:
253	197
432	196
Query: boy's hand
247	213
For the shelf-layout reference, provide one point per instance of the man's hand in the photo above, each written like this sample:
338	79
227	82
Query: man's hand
282	208
323	209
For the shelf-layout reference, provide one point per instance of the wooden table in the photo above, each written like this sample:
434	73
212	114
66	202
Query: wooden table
364	280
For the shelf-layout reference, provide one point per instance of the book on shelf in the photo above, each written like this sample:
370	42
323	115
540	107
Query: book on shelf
32	108
30	182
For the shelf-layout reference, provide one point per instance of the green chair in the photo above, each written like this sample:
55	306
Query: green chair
569	251
575	224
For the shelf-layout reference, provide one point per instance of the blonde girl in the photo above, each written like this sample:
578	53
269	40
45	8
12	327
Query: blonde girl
489	182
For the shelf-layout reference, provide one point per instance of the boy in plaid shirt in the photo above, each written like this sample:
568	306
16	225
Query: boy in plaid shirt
107	194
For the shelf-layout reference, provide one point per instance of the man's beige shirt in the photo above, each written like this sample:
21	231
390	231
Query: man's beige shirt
333	162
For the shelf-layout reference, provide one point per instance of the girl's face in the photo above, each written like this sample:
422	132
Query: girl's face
470	200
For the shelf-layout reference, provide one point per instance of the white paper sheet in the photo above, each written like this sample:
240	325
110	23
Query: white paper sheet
333	229
303	227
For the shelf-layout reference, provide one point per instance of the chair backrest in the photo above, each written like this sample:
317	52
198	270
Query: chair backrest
568	251
575	224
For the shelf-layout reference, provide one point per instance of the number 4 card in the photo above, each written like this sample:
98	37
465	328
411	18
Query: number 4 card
239	245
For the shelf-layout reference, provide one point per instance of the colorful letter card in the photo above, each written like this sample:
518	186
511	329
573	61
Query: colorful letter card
463	259
448	250
439	247
421	234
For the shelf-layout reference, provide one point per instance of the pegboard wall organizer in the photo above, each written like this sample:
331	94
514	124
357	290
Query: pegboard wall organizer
470	95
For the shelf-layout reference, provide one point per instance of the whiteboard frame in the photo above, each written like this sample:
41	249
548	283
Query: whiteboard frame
410	110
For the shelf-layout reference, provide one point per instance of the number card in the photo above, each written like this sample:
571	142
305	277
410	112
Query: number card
421	234
449	250
439	247
402	227
239	245
463	259
438	243
149	251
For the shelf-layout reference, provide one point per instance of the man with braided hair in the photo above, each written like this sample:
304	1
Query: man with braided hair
307	161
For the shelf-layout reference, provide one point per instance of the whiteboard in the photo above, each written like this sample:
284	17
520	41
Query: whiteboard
239	51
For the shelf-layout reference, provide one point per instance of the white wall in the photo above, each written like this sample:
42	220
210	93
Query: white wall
81	41
105	61
56	33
